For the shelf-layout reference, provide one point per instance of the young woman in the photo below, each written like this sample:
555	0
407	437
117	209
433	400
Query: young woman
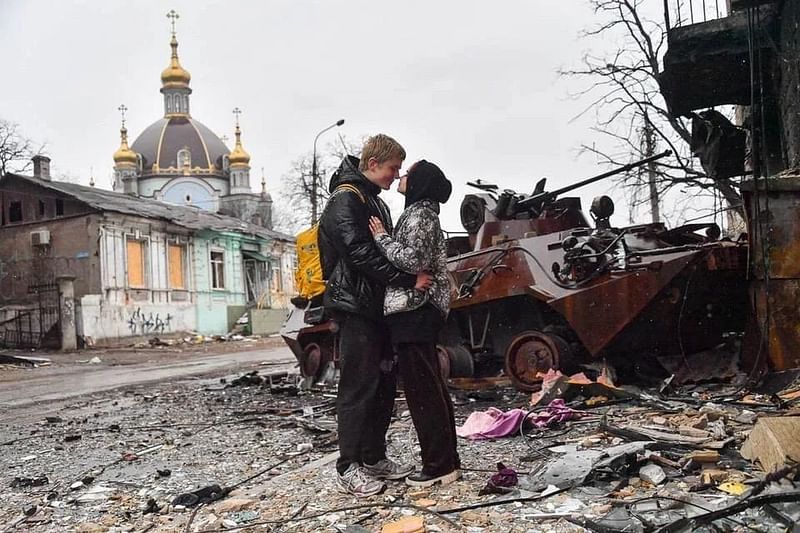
415	318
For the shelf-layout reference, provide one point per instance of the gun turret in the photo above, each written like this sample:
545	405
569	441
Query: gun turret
509	203
537	200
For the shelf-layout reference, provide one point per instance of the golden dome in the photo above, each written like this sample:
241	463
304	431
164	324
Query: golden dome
175	76
124	154
238	156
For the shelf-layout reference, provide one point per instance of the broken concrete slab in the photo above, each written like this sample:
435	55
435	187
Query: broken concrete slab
8	359
575	465
653	474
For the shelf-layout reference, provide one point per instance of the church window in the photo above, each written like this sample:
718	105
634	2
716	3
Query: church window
15	212
41	209
59	207
136	263
217	270
226	163
184	158
177	266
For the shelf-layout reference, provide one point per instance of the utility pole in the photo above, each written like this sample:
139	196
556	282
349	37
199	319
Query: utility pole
649	150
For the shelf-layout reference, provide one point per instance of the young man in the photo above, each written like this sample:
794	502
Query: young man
357	274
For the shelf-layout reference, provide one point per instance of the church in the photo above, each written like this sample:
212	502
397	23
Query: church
179	160
181	244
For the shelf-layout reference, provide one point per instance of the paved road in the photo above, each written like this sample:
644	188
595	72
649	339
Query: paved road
79	380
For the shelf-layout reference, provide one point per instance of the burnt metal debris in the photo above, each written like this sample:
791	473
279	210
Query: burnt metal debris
537	287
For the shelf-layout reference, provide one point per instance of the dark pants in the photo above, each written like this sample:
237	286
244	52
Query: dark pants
430	406
367	387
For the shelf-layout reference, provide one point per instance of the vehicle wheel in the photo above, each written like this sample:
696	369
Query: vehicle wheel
530	354
312	358
457	360
444	361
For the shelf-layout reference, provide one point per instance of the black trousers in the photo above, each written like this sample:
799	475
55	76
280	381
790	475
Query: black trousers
430	406
367	387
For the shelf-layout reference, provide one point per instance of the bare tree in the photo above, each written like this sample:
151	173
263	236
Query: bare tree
285	218
623	92
296	194
16	150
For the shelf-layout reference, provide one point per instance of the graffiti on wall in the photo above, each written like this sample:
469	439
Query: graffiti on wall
141	324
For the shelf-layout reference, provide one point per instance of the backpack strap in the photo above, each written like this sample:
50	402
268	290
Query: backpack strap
343	187
351	188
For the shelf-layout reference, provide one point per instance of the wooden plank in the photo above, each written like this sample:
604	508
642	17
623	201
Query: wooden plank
176	267
773	442
135	265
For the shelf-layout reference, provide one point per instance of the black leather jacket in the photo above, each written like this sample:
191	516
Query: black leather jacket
356	271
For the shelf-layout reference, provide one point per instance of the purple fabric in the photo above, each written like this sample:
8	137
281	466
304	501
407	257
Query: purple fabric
501	482
494	423
555	413
491	424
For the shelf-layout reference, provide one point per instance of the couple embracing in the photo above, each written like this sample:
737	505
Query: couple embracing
389	292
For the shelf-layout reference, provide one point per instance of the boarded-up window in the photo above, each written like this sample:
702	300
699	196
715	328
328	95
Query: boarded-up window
136	263
217	270
177	268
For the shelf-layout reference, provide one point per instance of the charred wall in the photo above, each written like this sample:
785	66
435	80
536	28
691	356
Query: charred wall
789	85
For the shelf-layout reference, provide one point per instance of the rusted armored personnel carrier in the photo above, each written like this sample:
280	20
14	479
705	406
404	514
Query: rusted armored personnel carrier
536	286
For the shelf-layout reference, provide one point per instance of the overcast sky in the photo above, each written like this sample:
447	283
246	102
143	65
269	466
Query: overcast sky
470	85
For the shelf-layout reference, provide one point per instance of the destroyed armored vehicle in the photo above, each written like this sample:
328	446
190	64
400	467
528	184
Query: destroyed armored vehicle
536	286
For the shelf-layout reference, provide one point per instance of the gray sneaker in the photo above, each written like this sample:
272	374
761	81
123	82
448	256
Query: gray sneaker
357	482
388	469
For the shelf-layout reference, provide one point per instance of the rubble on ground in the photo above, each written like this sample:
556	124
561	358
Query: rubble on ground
255	451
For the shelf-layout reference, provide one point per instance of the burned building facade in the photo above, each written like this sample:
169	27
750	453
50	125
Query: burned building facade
747	57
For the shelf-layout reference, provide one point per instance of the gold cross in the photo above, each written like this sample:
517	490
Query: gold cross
237	112
122	108
173	17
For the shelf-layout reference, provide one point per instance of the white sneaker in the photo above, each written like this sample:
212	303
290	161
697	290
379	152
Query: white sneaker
358	482
388	469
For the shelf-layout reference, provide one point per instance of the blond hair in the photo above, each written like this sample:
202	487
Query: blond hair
382	148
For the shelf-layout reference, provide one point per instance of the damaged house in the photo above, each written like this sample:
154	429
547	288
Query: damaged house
137	267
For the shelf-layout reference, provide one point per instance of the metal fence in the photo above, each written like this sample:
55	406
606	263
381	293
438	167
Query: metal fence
40	325
682	12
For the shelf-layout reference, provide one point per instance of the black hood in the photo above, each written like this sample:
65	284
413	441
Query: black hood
427	181
348	173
